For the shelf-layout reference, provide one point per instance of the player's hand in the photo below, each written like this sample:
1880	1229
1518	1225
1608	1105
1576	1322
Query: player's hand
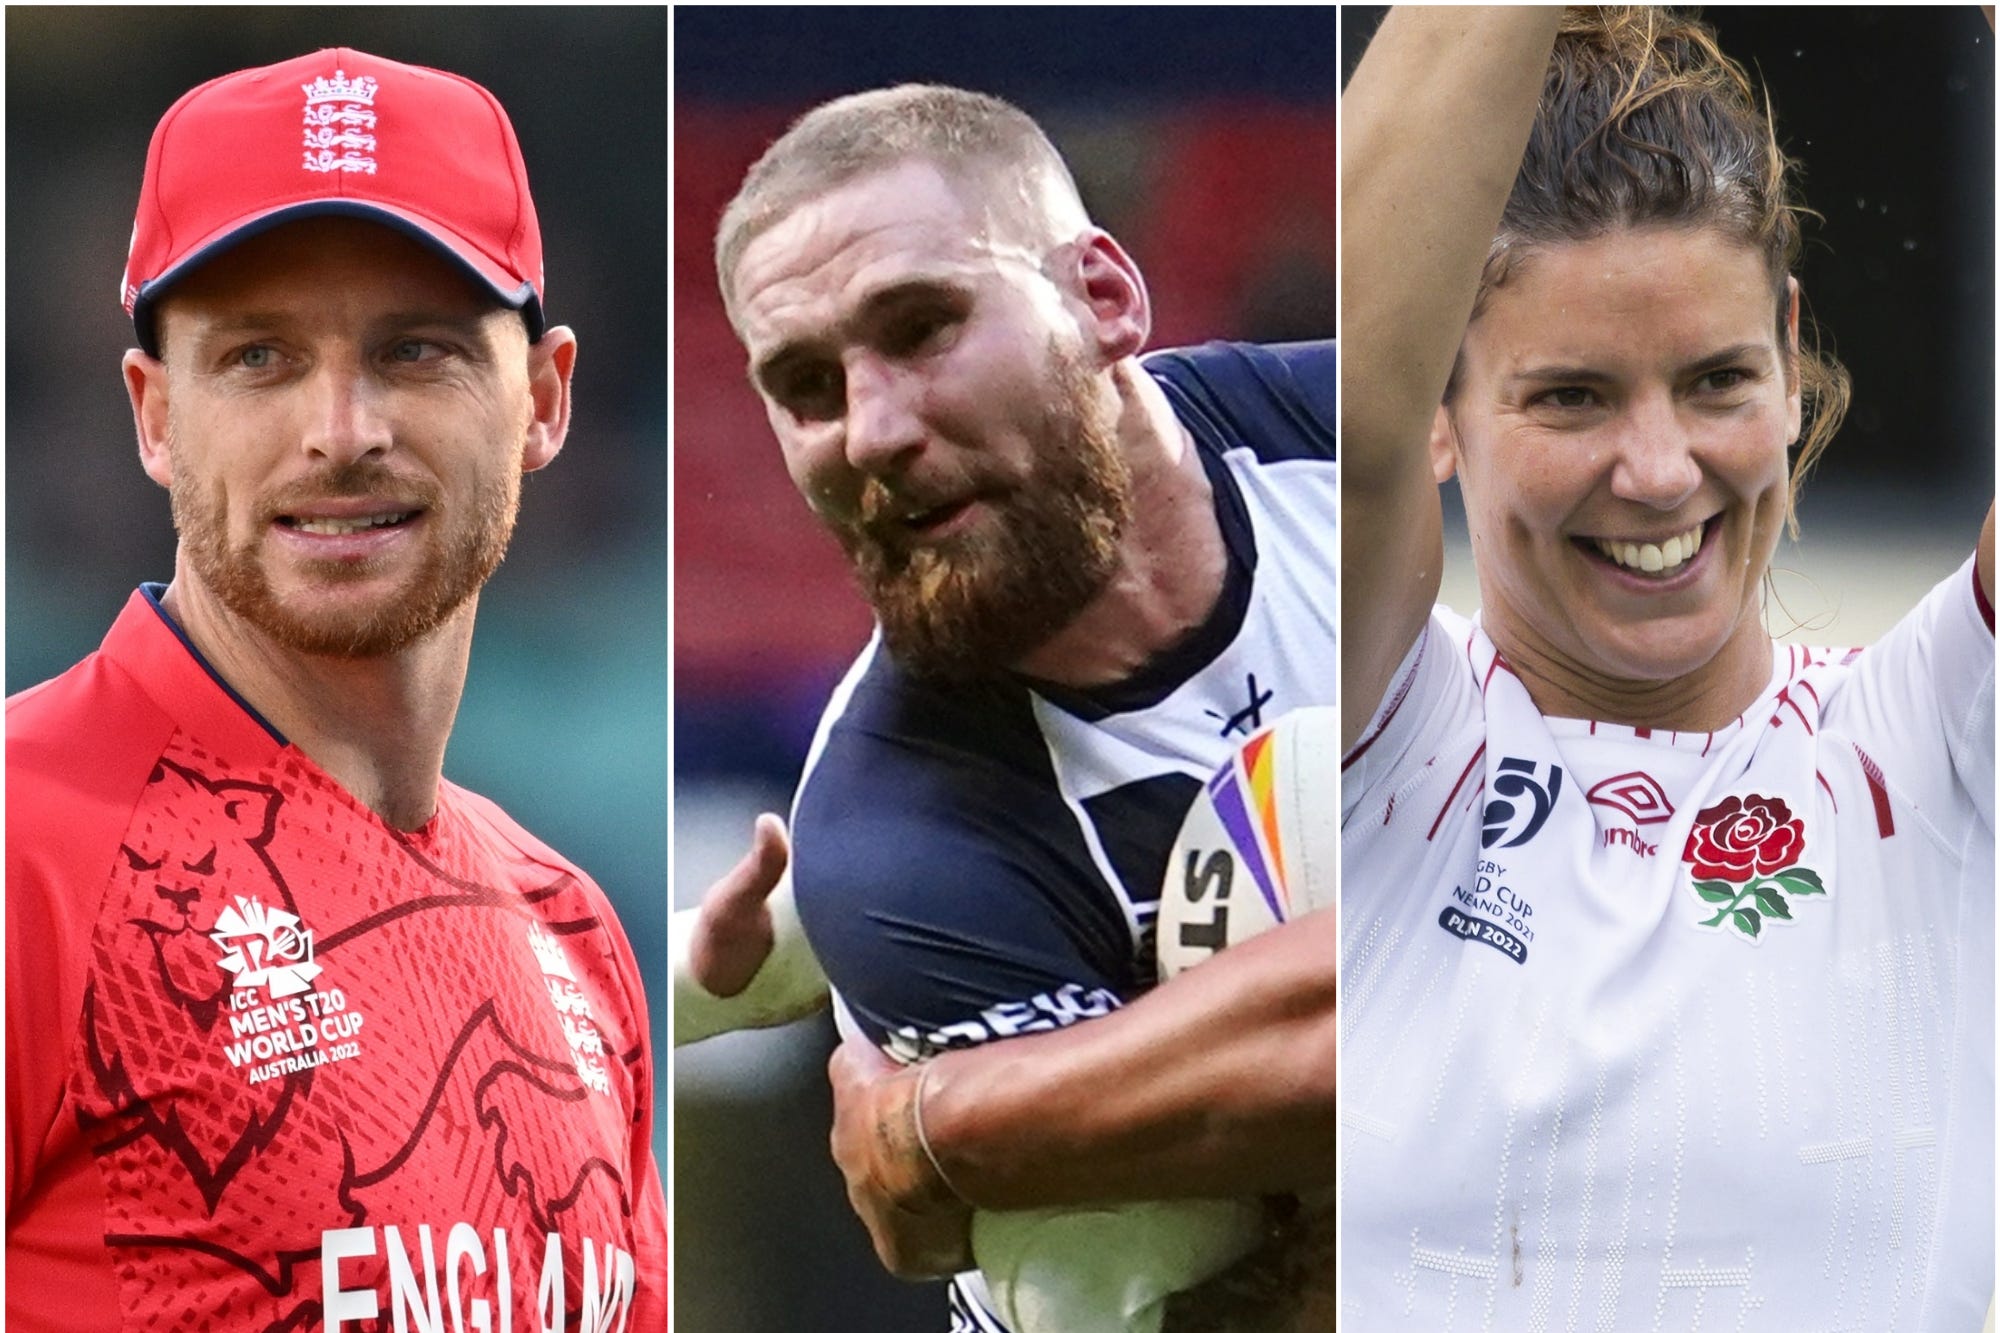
741	959
733	932
921	1229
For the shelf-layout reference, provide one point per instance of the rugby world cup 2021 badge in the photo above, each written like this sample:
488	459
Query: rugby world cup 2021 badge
1524	793
1744	856
280	1022
1492	909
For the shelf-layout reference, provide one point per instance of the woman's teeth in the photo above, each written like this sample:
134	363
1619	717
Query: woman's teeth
1648	558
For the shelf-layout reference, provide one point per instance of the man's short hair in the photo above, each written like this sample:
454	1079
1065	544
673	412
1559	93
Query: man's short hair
967	135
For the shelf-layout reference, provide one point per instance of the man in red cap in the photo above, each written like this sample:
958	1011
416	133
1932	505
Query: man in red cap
300	1035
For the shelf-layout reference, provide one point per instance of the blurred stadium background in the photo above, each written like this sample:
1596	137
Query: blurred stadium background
564	720
1201	137
1891	113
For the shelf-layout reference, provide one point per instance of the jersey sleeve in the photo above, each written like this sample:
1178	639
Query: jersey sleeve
71	780
1431	703
39	1020
1921	704
1278	400
649	1203
642	1173
947	889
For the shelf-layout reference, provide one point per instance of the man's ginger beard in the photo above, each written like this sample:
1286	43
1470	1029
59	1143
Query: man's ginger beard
974	603
461	552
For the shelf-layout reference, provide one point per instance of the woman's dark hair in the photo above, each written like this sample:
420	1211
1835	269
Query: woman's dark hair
1644	122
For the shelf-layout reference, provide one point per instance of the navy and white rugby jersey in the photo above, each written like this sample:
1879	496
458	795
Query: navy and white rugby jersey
977	862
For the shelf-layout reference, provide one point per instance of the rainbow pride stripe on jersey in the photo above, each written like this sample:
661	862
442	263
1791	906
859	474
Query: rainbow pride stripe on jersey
1245	799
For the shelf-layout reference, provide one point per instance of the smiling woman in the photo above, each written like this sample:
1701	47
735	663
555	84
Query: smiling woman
1667	826
1616	396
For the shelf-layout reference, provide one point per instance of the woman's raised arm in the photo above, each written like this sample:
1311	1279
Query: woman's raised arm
1433	124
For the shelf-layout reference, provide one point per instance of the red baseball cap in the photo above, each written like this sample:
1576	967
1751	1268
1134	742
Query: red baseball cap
340	133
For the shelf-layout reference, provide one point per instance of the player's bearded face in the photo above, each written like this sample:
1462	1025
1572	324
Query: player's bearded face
972	601
346	423
465	538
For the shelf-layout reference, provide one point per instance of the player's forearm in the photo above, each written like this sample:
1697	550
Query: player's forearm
1218	1084
1433	125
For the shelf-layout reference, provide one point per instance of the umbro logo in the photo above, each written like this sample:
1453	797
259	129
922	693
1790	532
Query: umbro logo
1640	798
1636	794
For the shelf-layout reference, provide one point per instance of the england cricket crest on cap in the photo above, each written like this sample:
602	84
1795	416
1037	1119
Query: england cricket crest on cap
339	123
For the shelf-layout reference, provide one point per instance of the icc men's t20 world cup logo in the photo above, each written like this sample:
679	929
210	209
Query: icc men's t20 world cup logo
265	946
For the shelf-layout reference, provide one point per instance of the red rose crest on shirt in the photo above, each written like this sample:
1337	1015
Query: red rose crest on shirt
1744	851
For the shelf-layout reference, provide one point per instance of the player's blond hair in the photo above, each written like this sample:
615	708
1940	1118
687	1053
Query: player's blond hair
975	139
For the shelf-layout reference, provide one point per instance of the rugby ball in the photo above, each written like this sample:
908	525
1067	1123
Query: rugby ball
1106	1270
1260	845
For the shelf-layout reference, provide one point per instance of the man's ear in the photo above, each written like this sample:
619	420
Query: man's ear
1444	446
146	386
551	362
1115	294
